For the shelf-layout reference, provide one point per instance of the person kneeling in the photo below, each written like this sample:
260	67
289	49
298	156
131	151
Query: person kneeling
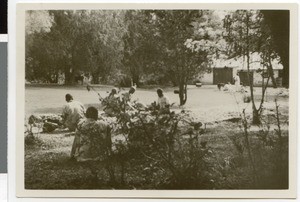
163	102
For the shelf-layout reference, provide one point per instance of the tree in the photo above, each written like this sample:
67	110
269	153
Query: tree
37	27
279	24
75	42
267	50
175	29
140	44
105	45
66	36
247	33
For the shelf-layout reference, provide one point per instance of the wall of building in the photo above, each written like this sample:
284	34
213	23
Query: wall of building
258	80
207	78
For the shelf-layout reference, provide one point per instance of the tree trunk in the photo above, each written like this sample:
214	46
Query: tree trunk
95	76
271	73
182	92
135	72
136	79
286	72
56	78
255	114
69	76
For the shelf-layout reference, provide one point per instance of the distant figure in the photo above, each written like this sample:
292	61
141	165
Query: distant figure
162	102
246	97
73	111
86	79
237	82
126	97
61	78
227	87
111	103
220	85
92	139
79	79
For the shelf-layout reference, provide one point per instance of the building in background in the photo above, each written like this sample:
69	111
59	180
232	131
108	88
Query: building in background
223	71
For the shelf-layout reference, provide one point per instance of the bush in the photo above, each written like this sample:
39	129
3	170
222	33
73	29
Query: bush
167	146
124	81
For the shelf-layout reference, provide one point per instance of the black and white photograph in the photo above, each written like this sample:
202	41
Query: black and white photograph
156	99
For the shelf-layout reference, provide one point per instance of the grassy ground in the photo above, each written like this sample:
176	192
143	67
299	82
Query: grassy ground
47	164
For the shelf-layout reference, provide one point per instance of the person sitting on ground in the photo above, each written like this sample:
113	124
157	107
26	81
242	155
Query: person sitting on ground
92	139
111	103
163	102
126	98
92	143
73	111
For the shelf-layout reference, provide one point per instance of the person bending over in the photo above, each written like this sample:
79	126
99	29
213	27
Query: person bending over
111	103
73	111
126	98
163	102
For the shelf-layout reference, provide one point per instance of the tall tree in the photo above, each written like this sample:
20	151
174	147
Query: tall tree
279	23
140	44
181	62
266	48
65	36
242	28
78	41
104	45
37	26
245	36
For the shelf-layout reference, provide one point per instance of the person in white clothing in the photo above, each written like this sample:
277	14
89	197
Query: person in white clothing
162	102
237	82
73	111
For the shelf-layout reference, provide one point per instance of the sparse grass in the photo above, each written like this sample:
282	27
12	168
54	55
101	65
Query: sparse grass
48	165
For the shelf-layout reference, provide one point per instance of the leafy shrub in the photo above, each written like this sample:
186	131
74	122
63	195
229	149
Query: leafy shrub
124	81
167	146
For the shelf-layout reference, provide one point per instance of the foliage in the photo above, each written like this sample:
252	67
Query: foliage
37	21
264	151
278	23
78	41
244	36
174	30
140	45
168	145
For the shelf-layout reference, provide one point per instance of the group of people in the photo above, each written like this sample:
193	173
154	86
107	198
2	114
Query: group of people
92	136
114	102
237	87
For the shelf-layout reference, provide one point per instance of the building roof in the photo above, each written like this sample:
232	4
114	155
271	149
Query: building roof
241	62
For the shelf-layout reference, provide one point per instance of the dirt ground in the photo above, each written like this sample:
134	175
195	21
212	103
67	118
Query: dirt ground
47	164
206	102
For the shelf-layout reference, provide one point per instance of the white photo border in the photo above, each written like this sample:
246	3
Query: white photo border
170	194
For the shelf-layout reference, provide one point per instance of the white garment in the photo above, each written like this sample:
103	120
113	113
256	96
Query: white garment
72	113
163	102
237	80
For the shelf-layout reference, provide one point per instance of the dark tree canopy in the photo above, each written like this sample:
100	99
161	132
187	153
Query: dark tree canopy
164	46
279	22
